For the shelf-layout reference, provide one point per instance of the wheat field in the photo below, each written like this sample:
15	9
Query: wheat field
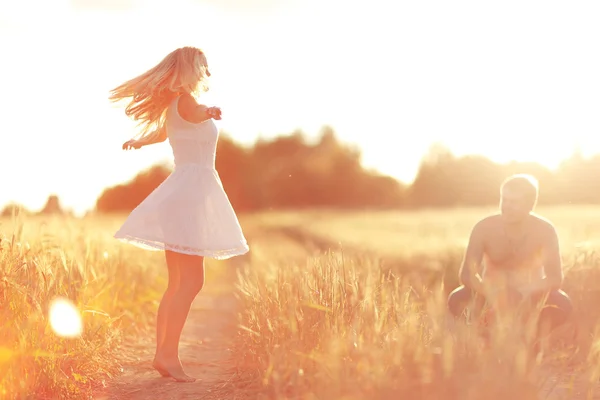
352	306
331	304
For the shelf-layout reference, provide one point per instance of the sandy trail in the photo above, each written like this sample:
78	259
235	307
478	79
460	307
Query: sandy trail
205	348
207	337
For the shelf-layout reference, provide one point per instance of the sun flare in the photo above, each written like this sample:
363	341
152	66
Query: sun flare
65	319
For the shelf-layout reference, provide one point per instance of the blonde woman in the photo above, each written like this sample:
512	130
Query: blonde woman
189	215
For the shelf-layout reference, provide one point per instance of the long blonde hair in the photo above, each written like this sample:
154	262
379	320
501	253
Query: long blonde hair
182	71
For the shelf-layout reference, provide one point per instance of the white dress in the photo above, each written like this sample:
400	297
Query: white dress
189	212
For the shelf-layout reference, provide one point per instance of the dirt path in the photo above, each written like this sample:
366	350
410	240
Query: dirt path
207	336
205	348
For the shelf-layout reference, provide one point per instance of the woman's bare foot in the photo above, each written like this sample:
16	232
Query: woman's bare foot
163	372
171	369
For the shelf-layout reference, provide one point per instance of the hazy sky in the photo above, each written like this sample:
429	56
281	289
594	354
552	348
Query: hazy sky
510	80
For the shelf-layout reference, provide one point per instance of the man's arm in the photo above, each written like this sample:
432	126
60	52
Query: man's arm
553	260
552	263
469	270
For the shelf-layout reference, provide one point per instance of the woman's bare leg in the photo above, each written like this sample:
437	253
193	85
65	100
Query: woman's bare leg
191	281
163	308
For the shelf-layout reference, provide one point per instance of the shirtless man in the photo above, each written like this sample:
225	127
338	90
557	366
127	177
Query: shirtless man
520	253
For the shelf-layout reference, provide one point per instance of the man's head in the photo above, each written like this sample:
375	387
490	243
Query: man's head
518	197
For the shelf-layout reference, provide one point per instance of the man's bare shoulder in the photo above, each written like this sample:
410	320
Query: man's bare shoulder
487	224
542	224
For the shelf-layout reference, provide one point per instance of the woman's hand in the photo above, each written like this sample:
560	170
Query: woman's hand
132	144
214	112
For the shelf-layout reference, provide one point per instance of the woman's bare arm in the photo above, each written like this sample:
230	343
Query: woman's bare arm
137	144
189	110
195	113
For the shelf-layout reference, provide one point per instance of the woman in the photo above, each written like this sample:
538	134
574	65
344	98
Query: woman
189	215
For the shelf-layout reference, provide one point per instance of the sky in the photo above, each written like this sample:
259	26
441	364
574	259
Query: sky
509	80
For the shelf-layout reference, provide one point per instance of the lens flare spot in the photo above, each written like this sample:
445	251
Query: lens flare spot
65	319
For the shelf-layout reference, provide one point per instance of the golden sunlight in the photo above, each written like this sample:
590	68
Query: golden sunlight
549	157
65	320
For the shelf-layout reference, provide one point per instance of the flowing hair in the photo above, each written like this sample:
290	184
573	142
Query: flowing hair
182	71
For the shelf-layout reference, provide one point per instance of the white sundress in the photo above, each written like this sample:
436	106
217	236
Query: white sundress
189	212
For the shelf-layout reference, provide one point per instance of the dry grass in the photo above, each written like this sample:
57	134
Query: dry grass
115	291
365	322
370	321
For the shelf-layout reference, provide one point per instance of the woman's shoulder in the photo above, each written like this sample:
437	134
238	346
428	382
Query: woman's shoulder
186	101
190	111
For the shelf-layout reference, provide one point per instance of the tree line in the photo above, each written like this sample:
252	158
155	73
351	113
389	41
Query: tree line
287	172
291	172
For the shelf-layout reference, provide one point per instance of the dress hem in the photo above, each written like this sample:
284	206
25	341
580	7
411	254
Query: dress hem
148	244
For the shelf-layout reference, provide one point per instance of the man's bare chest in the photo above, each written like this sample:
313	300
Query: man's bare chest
504	252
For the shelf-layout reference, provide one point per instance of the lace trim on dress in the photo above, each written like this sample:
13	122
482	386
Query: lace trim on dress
156	245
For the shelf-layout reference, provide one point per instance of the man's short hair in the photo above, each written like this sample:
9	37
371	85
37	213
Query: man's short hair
523	183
